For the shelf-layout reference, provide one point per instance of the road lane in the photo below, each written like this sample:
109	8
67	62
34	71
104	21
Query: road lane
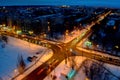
61	52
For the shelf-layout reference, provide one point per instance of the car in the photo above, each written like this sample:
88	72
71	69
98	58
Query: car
39	72
37	53
31	59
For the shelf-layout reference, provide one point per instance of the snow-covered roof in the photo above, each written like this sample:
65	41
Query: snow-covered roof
78	20
111	23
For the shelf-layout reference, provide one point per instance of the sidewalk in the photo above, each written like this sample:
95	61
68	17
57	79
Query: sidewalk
48	54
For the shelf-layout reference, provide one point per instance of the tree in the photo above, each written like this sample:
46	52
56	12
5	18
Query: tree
107	76
21	64
93	70
5	38
3	45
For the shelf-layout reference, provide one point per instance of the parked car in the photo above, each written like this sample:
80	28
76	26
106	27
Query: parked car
31	59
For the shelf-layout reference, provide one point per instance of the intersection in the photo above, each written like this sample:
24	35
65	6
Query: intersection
64	50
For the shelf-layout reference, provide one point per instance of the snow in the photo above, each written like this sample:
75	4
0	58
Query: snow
29	49
114	69
70	36
63	69
17	46
9	55
35	65
25	46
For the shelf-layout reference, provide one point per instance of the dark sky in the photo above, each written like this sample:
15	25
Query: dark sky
110	3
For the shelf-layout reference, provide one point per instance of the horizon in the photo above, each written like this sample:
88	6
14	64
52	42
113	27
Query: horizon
92	3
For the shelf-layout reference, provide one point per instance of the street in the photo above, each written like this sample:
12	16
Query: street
65	50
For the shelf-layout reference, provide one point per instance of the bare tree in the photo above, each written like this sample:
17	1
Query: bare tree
5	38
21	64
94	71
3	45
107	76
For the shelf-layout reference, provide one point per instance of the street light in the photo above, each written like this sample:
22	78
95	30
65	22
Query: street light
18	32
30	32
87	79
117	46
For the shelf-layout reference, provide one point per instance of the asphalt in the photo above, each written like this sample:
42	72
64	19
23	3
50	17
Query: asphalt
61	52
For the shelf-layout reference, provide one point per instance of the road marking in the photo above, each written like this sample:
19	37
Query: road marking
40	71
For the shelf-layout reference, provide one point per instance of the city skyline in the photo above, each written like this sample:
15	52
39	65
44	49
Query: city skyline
59	42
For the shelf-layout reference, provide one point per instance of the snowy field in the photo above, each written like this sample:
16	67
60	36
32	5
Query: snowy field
9	55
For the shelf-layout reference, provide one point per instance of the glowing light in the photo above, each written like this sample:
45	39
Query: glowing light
114	27
30	32
71	74
18	32
0	25
117	47
44	35
3	25
66	32
48	28
48	22
88	43
86	79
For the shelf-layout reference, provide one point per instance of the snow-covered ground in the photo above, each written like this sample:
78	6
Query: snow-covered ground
114	69
15	46
9	55
63	69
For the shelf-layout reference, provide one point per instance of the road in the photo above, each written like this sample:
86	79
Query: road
64	50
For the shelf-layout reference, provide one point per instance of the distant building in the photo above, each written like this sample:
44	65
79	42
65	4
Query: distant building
47	22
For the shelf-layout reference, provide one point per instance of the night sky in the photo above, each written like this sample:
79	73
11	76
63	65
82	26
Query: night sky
110	3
